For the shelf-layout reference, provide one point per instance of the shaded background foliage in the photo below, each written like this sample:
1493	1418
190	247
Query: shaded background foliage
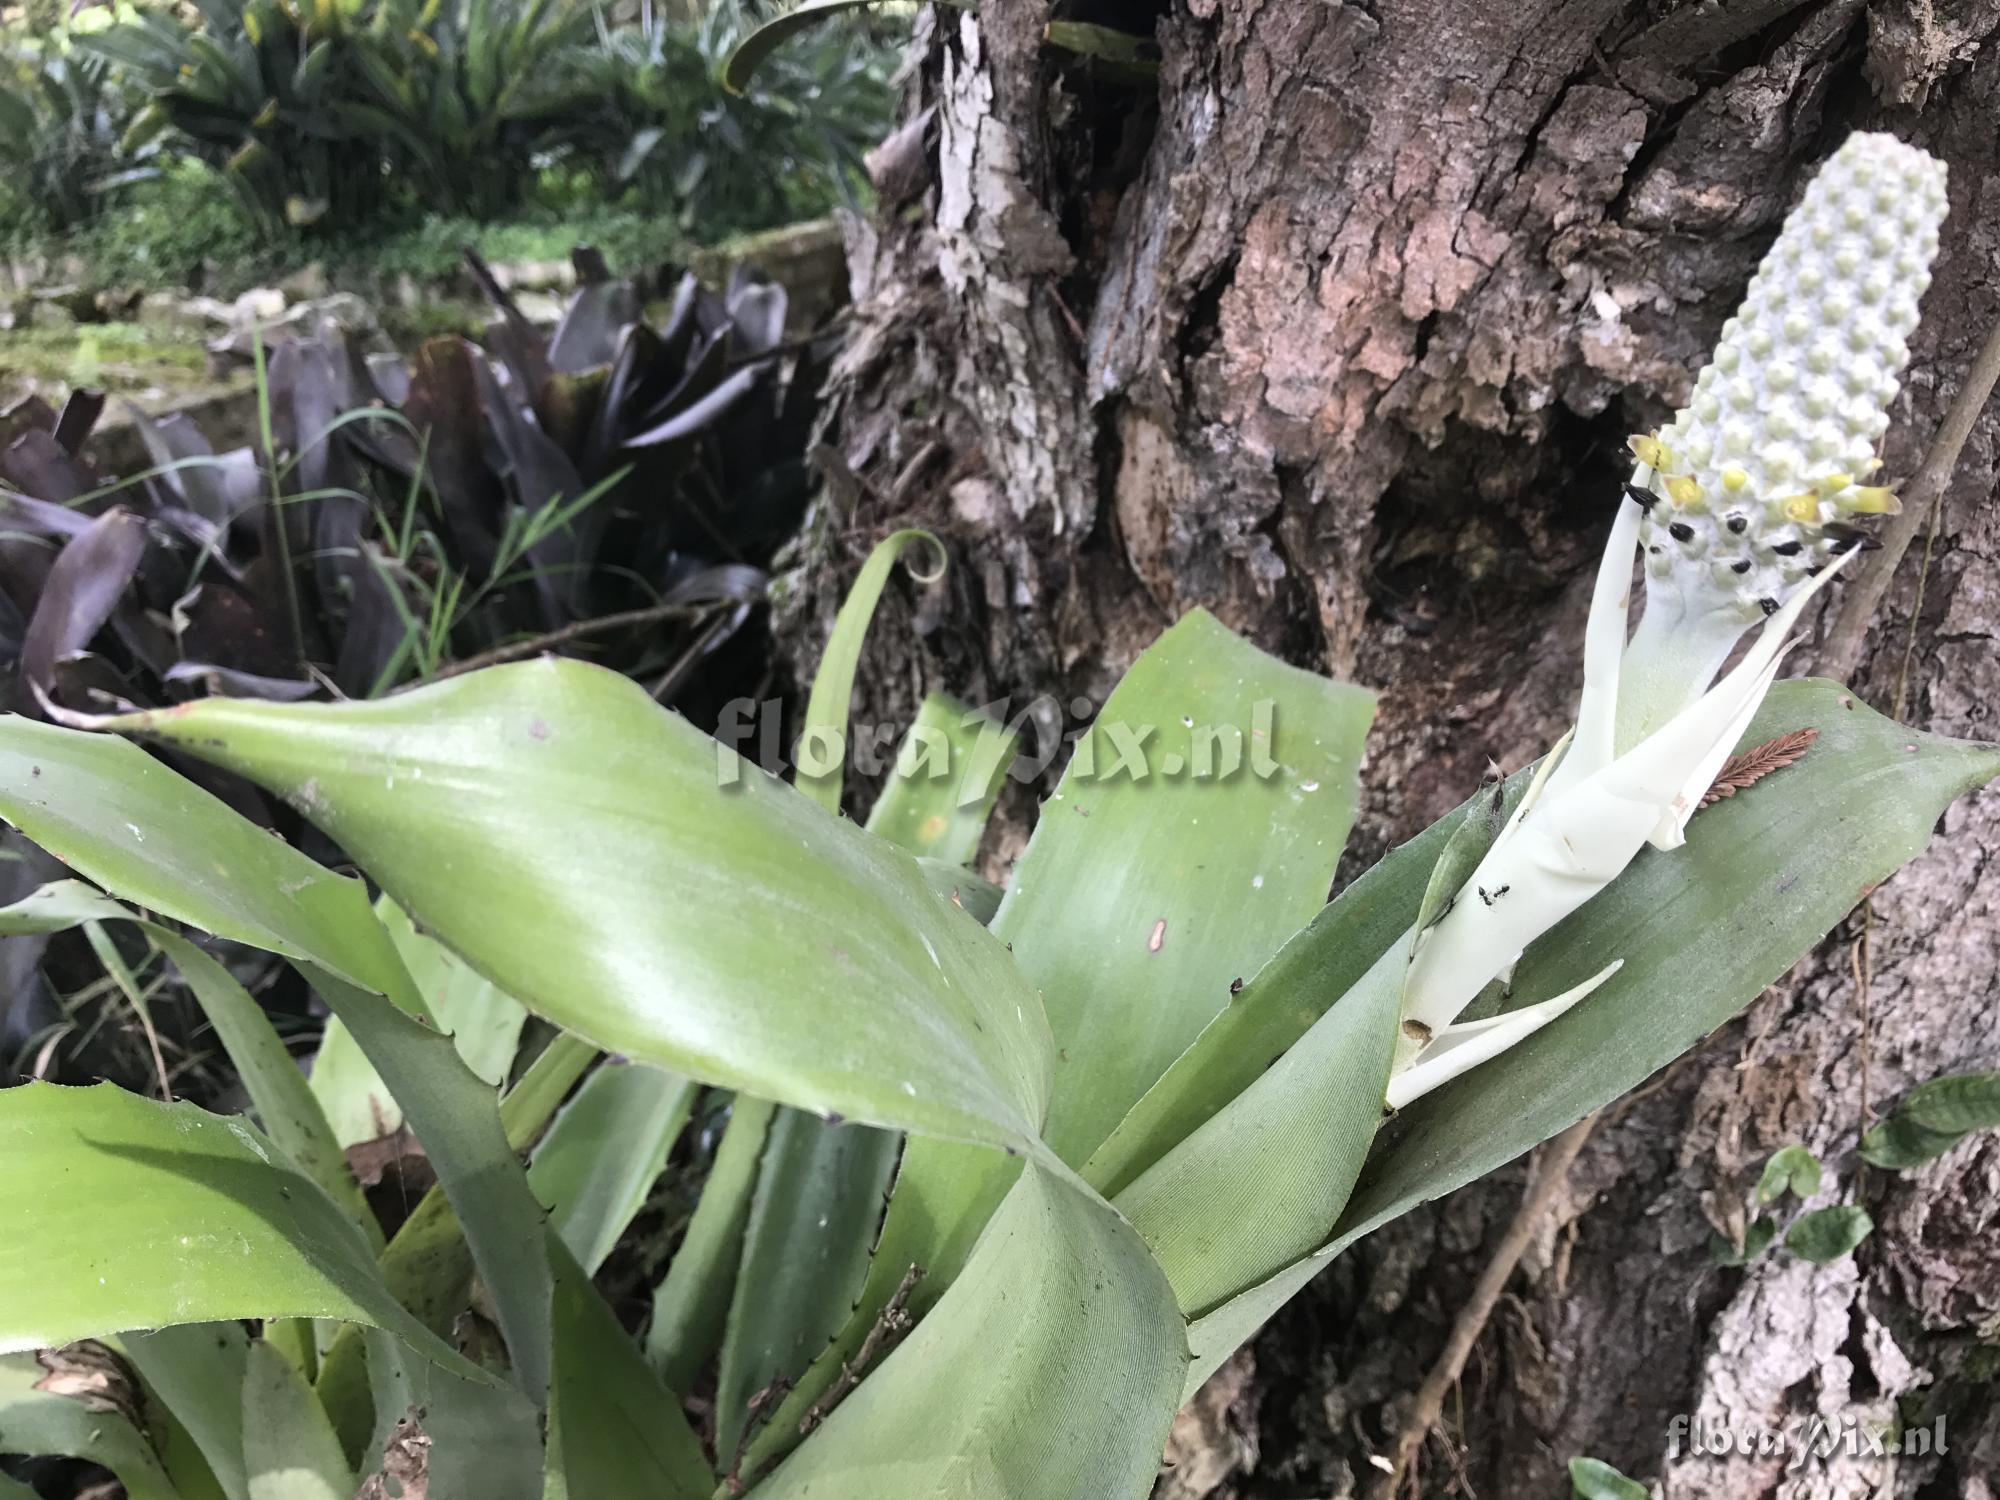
323	123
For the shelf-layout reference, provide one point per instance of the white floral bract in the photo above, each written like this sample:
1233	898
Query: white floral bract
1738	507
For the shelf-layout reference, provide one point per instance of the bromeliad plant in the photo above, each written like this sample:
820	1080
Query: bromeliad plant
311	110
1127	1113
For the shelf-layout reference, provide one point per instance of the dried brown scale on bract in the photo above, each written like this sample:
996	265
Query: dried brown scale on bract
1752	766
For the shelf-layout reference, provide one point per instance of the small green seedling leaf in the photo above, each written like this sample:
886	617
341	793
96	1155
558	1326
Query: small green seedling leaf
1757	1239
1826	1234
1898	1143
1793	1170
1594	1479
1955	1105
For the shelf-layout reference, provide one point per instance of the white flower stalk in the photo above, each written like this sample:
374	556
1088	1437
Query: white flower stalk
1755	483
1740	508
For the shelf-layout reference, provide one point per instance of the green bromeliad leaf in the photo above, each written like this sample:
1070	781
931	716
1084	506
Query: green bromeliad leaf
38	1424
1257	1184
805	1249
149	835
1051	1367
210	1224
485	1026
289	1449
614	1429
428	1266
1196	829
828	705
285	1106
691	1305
1279	1004
948	773
566	837
195	1371
1764	876
821	1182
605	1150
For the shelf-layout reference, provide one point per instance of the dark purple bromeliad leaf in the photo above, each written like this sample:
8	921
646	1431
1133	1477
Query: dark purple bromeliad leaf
425	511
83	587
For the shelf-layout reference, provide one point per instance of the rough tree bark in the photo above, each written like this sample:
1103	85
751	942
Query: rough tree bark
1337	330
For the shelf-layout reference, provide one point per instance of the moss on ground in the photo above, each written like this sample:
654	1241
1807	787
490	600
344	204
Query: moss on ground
119	357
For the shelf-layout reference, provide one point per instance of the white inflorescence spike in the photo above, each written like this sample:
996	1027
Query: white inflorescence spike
1758	476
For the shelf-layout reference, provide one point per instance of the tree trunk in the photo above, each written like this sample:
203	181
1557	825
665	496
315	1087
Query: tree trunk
1337	328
